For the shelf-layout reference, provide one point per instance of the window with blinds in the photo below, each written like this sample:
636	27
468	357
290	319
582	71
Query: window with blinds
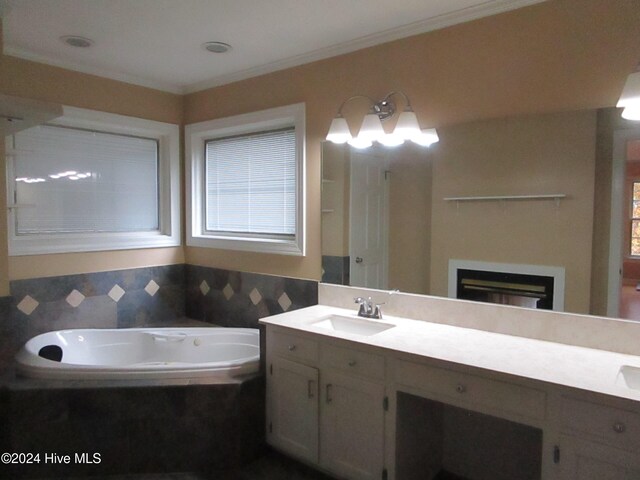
251	183
70	180
246	182
91	181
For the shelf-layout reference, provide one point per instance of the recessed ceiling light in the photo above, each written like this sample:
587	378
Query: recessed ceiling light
217	47
76	41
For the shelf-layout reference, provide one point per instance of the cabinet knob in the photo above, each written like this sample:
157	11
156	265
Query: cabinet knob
461	388
619	427
292	348
352	363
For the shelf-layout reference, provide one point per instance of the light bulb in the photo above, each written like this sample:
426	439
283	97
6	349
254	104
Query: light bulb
631	112
359	142
391	140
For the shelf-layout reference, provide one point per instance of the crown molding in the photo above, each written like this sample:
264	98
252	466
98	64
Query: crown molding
78	67
488	8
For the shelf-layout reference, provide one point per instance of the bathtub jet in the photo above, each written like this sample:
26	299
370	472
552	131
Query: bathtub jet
141	353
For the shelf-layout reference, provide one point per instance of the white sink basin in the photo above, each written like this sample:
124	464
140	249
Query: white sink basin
629	377
358	326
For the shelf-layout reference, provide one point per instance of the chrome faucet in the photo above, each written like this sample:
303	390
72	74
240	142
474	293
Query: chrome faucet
368	309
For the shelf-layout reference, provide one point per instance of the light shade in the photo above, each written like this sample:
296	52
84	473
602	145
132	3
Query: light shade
407	126
426	137
371	128
631	92
631	112
339	131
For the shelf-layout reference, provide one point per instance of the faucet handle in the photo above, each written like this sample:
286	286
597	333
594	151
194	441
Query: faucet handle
359	300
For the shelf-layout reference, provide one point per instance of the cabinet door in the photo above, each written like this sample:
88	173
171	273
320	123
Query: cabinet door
583	460
292	395
351	426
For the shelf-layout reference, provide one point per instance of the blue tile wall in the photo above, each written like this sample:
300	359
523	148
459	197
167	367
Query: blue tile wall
9	334
240	299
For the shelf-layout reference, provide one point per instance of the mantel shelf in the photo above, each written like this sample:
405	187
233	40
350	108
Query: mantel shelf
554	196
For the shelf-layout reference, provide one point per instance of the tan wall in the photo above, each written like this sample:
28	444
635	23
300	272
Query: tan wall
33	80
535	59
541	154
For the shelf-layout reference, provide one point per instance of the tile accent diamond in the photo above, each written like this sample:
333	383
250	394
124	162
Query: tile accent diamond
27	305
284	301
75	298
255	296
152	288
116	293
204	287
227	291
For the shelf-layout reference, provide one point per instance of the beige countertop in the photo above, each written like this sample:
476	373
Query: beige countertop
566	365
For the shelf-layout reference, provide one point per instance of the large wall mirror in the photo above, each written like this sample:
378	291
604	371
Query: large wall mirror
418	219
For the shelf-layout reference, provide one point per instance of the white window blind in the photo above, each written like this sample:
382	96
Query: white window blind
72	180
251	183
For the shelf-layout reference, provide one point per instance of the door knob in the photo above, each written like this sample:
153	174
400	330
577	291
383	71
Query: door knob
358	259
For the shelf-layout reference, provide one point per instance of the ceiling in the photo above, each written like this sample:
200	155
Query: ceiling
158	43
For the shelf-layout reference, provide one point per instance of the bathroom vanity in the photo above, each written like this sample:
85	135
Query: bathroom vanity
403	398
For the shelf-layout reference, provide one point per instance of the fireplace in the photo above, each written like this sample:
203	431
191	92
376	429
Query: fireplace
529	286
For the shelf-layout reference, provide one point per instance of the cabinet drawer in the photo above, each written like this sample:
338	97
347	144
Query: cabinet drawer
353	361
293	346
619	428
506	397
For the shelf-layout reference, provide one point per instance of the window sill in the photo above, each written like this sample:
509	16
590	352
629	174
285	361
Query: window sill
244	244
46	244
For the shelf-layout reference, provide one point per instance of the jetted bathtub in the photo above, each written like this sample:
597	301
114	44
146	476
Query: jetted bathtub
141	353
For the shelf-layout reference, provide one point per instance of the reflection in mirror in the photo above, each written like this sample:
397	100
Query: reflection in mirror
402	218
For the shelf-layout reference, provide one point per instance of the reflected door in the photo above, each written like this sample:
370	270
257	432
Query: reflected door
368	256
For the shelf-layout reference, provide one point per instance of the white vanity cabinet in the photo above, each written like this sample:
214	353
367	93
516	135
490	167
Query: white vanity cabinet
599	441
585	460
386	407
326	404
293	408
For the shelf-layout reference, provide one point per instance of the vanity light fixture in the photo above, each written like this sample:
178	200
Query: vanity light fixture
630	97
371	130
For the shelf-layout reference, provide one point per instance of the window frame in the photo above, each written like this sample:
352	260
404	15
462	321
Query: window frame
196	136
631	220
168	235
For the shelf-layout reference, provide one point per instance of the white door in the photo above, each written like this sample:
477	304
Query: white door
368	256
292	406
351	427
